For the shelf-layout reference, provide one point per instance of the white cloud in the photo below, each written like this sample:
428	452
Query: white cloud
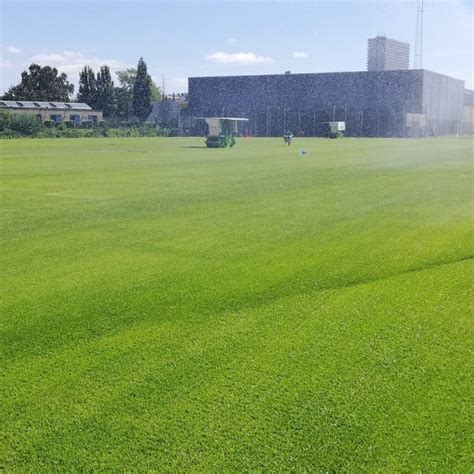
71	62
13	50
299	55
237	58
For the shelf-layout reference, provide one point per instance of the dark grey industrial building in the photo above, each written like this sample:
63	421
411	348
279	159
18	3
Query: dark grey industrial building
386	54
382	103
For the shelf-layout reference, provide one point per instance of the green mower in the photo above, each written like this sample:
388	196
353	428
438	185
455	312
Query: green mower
220	141
222	131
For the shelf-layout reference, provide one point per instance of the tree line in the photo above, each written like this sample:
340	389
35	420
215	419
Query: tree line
133	95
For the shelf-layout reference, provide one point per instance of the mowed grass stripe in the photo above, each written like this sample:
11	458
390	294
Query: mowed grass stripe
297	381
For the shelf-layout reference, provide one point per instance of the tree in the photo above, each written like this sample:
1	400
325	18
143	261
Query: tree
41	83
155	92
87	87
105	92
142	92
122	101
124	93
127	79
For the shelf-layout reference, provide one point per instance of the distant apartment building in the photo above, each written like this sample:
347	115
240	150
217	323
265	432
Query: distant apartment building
58	112
385	54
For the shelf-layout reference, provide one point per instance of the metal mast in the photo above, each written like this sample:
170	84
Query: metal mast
419	35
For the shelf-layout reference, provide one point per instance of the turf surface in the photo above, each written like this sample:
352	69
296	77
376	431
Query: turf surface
167	307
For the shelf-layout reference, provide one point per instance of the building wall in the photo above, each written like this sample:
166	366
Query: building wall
467	126
443	99
371	103
49	114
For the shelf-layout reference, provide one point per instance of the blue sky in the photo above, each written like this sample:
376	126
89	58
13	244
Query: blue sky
195	38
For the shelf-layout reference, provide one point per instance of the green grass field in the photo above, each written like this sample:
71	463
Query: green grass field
172	308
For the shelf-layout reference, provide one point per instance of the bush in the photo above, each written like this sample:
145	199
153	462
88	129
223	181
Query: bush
17	126
26	125
5	119
10	134
123	132
46	132
147	130
163	132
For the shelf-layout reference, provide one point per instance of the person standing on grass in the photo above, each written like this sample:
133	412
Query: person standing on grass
287	137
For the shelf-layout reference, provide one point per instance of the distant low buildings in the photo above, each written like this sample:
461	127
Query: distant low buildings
73	112
171	112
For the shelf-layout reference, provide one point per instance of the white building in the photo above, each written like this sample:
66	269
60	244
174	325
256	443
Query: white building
58	112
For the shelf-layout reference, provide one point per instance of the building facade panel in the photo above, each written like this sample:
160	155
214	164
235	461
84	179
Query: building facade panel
443	99
372	103
467	126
